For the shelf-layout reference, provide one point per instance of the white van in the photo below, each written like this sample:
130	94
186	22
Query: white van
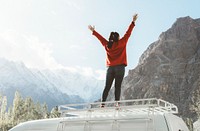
132	115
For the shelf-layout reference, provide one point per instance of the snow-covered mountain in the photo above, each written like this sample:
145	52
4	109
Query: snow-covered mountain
51	86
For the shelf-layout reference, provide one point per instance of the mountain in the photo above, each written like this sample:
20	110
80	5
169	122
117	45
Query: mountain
54	87
170	69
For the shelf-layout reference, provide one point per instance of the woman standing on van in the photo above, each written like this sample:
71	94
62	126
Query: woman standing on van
115	59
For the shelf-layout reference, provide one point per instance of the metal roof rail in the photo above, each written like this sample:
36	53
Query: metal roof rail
135	106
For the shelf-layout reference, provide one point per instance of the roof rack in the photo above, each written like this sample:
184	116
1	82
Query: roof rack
135	106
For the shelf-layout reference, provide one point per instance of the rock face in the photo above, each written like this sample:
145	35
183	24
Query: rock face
170	69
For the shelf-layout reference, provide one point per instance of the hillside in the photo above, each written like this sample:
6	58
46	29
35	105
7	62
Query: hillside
169	69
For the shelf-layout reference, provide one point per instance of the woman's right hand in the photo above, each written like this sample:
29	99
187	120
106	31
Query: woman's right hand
91	28
135	17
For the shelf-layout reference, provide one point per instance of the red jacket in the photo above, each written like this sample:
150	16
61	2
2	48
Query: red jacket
117	54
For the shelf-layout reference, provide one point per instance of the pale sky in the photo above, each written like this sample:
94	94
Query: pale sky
54	33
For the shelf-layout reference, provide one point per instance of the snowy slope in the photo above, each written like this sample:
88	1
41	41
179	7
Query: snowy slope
51	86
74	84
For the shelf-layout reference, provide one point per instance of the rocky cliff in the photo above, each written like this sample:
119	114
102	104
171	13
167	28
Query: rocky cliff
170	69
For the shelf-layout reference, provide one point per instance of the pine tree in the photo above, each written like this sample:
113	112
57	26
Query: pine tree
45	113
55	112
3	106
0	103
9	118
18	109
28	109
37	111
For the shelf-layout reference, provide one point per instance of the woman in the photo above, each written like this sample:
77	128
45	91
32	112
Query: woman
115	59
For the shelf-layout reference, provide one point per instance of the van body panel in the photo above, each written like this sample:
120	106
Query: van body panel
175	123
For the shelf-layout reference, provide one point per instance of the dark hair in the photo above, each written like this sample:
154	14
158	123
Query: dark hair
114	37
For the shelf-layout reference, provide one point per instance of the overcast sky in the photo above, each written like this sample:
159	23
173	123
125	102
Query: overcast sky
54	34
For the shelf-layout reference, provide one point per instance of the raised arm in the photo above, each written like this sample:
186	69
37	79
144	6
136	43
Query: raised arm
130	28
101	38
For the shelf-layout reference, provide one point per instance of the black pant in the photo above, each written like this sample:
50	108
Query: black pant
117	73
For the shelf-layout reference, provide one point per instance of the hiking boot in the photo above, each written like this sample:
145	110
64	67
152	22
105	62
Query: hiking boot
102	105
